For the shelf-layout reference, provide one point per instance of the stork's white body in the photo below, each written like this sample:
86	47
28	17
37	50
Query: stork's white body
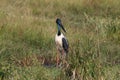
58	39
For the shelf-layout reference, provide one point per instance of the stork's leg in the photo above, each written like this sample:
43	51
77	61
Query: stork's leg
57	58
63	57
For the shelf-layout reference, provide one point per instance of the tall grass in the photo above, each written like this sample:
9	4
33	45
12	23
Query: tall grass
27	30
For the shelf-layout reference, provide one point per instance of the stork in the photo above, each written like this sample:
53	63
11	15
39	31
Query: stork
61	42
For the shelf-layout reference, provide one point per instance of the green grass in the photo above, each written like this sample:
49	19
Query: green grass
28	28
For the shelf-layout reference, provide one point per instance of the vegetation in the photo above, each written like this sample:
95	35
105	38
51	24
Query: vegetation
27	30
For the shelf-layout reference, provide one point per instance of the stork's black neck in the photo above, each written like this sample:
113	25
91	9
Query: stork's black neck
59	33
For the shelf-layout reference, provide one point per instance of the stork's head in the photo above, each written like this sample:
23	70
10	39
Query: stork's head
59	24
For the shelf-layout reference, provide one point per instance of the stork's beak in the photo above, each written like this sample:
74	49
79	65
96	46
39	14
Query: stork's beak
62	27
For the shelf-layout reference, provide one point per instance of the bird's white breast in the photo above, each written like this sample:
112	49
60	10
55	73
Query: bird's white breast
58	39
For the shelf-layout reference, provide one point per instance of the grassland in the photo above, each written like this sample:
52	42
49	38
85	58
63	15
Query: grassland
27	30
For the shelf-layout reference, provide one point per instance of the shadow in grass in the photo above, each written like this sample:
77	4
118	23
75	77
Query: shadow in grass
32	60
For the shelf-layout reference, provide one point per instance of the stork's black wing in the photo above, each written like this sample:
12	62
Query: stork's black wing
65	45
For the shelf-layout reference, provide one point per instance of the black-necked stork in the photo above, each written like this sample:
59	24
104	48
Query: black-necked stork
61	42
